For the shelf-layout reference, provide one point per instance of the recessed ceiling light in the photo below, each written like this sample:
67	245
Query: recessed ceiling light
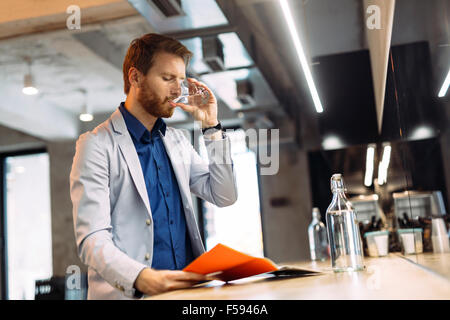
332	142
86	117
422	132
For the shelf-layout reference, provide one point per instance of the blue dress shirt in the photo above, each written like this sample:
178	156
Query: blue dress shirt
171	245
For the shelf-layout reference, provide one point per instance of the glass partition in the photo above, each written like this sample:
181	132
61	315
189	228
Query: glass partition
417	90
389	139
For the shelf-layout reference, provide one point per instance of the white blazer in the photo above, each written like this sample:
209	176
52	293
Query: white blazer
111	210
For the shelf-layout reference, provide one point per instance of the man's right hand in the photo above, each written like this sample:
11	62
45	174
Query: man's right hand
151	281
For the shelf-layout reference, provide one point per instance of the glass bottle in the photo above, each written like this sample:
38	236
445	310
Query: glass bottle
317	235
343	232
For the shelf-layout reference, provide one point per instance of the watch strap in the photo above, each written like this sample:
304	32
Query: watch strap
216	128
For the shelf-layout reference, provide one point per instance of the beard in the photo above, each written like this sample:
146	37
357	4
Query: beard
153	105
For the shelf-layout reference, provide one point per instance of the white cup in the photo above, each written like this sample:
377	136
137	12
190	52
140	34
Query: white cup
377	243
439	236
382	244
408	243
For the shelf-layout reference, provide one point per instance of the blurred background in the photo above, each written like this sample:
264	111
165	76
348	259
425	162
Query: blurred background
349	93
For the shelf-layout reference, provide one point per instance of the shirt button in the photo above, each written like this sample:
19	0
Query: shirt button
147	256
171	221
148	222
167	194
121	288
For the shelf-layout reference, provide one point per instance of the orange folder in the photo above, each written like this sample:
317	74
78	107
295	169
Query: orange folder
229	264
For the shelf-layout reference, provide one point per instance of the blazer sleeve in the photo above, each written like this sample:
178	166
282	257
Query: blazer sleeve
215	181
89	192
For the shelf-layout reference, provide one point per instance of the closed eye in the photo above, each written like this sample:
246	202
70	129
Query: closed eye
171	78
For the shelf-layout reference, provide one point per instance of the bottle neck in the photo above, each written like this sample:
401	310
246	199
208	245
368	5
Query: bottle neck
339	193
339	201
339	198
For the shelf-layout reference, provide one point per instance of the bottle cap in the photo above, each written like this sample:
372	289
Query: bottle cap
337	182
316	212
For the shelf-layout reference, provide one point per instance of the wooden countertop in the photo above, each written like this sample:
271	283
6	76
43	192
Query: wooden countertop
439	263
390	277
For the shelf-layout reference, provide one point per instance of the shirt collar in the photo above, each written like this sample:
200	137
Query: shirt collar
137	129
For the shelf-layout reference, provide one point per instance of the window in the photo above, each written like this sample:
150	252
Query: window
27	223
238	225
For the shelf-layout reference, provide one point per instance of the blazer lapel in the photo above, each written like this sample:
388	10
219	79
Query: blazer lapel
129	152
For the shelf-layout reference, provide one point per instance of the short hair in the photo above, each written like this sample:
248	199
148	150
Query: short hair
142	51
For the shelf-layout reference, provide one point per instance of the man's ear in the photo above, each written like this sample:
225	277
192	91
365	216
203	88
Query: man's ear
134	76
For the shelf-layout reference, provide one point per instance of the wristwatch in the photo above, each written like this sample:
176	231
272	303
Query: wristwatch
212	130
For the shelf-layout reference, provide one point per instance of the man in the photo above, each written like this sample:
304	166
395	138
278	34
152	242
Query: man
132	178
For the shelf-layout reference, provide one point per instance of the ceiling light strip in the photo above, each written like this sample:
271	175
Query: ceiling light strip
445	85
301	54
384	165
369	166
